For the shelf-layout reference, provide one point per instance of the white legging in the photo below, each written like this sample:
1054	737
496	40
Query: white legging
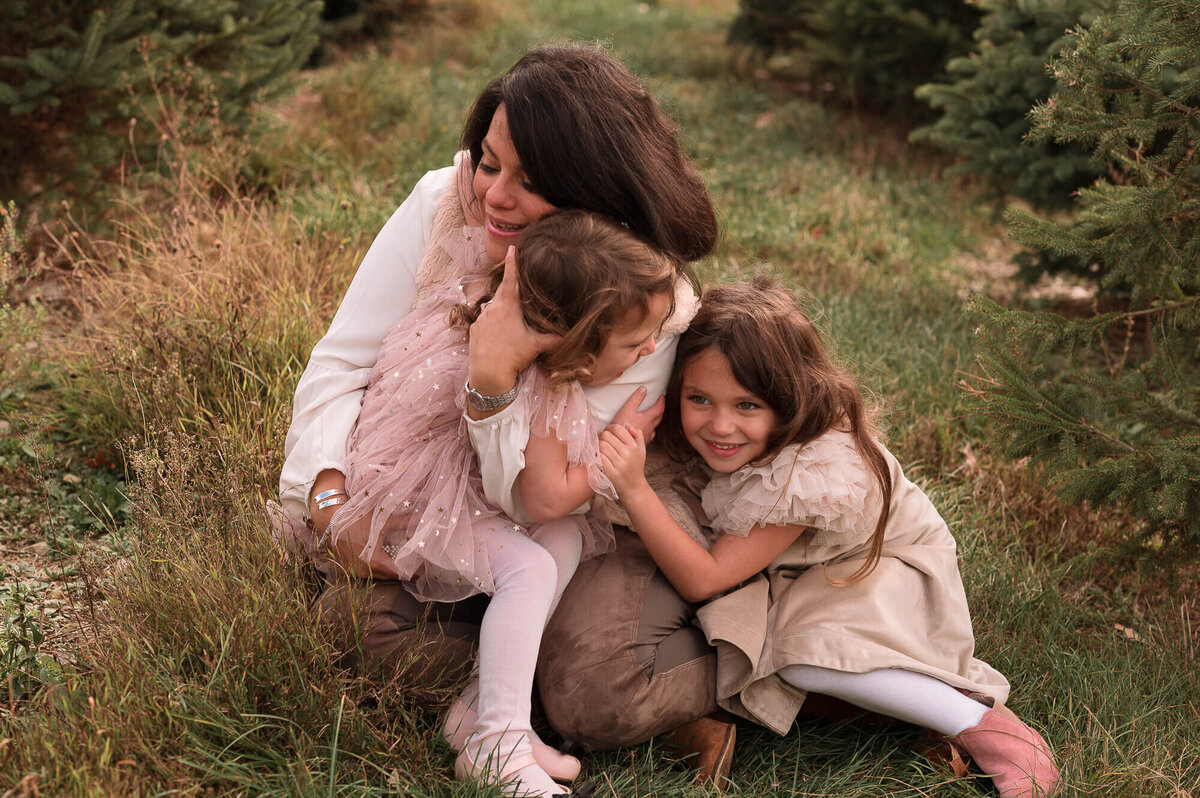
905	695
530	575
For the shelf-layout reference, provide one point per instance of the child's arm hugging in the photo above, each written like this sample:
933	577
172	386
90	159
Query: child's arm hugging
697	574
551	487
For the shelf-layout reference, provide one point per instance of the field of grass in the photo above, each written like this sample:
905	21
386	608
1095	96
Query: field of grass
154	642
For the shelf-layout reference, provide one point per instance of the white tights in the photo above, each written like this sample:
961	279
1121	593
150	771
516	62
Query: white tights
530	574
906	695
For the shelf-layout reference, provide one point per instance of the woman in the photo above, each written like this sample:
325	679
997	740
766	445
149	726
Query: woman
565	127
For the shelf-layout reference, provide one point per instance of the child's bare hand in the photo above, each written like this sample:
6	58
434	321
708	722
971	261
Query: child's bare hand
623	456
644	420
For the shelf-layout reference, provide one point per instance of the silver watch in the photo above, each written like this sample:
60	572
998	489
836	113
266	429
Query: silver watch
486	403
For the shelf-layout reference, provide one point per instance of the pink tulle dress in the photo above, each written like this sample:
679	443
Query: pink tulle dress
417	510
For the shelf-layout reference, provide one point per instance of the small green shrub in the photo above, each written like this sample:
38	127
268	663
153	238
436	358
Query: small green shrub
876	52
23	665
984	110
89	88
1112	401
345	21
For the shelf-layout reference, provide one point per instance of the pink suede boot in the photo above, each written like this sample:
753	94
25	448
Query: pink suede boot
1014	755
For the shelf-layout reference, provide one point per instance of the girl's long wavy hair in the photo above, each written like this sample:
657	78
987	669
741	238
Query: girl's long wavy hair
777	354
581	275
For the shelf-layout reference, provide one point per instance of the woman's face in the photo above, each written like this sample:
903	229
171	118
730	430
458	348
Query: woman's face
505	197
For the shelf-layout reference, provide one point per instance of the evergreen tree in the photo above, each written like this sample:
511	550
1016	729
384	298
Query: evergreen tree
875	51
984	111
1112	402
74	73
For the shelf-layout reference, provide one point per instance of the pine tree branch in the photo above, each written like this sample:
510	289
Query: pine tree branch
1161	309
1137	85
1117	442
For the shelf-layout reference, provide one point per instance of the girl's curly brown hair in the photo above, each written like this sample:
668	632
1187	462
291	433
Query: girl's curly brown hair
581	275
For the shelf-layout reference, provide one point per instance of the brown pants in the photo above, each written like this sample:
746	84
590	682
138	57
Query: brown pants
620	661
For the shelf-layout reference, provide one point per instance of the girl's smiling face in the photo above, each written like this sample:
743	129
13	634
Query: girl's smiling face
508	201
726	424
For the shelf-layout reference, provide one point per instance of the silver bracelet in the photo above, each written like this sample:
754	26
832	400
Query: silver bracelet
328	493
334	502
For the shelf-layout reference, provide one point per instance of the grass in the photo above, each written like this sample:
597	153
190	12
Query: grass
161	384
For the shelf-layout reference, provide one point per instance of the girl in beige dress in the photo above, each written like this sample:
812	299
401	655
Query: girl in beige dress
832	572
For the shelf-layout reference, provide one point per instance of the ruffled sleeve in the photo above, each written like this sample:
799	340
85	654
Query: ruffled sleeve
565	414
824	484
500	439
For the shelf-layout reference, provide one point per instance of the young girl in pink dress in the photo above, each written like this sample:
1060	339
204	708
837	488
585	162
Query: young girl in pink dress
416	509
841	575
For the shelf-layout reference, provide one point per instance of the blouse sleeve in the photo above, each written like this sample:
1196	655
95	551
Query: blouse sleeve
499	442
824	484
329	393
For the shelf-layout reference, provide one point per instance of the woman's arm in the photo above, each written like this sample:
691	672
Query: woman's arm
697	574
329	393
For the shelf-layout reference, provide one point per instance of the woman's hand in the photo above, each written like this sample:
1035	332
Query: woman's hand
623	458
501	343
644	420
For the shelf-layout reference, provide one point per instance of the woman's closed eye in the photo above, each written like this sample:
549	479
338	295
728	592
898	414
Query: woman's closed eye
488	169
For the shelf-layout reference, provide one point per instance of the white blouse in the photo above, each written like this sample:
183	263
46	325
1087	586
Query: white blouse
383	291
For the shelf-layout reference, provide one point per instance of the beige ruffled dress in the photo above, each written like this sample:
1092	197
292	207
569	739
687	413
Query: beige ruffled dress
910	612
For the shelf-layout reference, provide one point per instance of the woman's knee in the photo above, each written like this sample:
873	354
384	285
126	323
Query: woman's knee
380	625
616	704
621	661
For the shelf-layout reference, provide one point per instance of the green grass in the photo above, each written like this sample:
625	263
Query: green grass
193	667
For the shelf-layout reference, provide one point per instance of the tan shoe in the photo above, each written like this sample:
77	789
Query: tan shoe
707	744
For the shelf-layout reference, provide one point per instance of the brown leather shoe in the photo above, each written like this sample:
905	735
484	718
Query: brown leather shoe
706	744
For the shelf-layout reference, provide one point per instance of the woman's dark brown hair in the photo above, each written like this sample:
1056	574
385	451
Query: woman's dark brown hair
580	277
590	136
777	354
